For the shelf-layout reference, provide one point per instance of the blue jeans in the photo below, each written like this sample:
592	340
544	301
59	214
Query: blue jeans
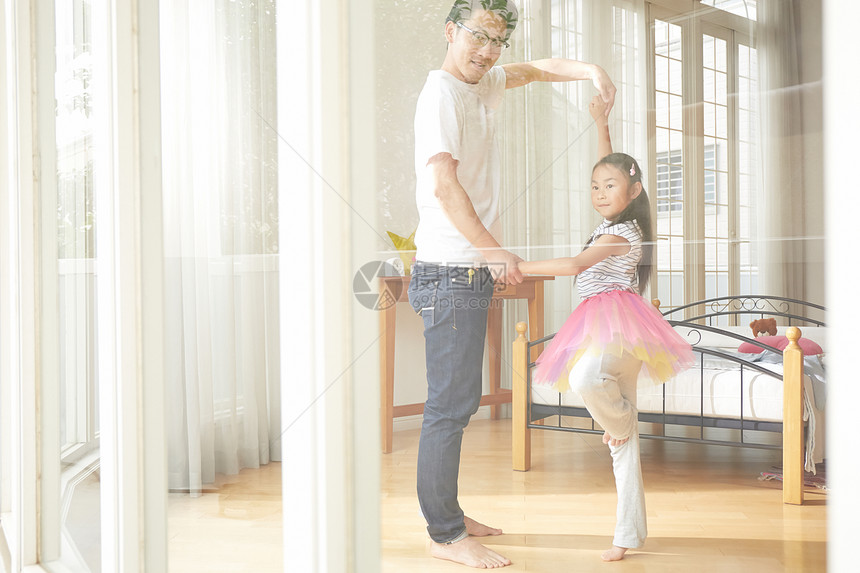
453	303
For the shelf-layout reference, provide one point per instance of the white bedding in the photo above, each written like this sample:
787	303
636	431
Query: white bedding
762	394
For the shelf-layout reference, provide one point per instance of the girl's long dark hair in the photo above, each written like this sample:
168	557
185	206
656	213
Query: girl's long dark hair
639	210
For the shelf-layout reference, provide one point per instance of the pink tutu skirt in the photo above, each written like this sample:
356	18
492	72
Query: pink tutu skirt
614	322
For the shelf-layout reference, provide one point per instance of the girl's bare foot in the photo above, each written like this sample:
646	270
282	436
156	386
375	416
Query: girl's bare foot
610	441
614	554
479	529
469	552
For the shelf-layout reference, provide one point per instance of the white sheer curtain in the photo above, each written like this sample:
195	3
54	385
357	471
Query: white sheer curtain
221	238
550	143
781	148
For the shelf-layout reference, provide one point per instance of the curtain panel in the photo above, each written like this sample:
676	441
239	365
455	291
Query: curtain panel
221	238
781	149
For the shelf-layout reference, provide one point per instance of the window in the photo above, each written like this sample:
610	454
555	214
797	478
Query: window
747	165
745	8
704	139
76	224
76	255
671	162
669	185
716	138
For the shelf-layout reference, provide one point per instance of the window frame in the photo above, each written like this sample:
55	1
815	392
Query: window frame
133	463
696	21
18	363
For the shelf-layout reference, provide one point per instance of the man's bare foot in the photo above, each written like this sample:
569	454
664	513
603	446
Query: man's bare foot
469	552
610	441
479	529
614	554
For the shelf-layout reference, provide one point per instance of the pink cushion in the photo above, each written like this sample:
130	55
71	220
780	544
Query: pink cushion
780	342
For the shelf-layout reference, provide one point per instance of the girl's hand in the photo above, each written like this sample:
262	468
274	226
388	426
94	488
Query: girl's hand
597	108
504	266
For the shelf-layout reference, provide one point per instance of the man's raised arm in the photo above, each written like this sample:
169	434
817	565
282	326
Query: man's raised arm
561	70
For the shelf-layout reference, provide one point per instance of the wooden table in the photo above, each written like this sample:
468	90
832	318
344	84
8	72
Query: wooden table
531	289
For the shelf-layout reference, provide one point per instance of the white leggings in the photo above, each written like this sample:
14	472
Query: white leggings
608	387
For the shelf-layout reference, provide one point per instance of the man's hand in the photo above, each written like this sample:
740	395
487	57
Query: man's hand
605	86
504	266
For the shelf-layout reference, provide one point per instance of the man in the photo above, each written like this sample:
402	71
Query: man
458	254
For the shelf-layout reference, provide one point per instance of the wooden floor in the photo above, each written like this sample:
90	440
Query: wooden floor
235	526
707	511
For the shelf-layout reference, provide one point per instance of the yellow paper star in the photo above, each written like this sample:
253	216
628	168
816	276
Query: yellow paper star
405	247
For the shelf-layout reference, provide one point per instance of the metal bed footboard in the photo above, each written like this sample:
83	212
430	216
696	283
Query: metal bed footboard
698	317
528	415
537	412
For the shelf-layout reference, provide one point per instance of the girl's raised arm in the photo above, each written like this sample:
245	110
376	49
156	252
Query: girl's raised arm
605	246
597	107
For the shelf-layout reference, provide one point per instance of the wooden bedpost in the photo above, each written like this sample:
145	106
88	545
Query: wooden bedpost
522	442
792	420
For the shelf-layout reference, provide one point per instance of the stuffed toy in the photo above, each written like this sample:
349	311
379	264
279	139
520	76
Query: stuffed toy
763	326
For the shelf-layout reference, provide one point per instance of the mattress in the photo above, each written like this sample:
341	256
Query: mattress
724	385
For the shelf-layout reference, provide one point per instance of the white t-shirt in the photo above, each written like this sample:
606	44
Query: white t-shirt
457	118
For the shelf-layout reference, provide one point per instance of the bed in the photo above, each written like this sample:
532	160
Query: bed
743	391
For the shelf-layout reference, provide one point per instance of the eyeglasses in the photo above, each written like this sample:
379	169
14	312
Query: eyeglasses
482	39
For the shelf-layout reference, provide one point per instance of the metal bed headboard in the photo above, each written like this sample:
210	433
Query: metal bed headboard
753	305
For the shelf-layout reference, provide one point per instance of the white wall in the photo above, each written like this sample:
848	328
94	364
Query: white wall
842	123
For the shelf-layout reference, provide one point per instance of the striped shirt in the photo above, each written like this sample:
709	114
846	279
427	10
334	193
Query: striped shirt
617	272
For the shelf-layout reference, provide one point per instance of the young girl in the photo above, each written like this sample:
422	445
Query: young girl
613	333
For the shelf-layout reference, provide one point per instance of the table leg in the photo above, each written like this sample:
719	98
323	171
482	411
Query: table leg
387	322
536	318
494	349
536	325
